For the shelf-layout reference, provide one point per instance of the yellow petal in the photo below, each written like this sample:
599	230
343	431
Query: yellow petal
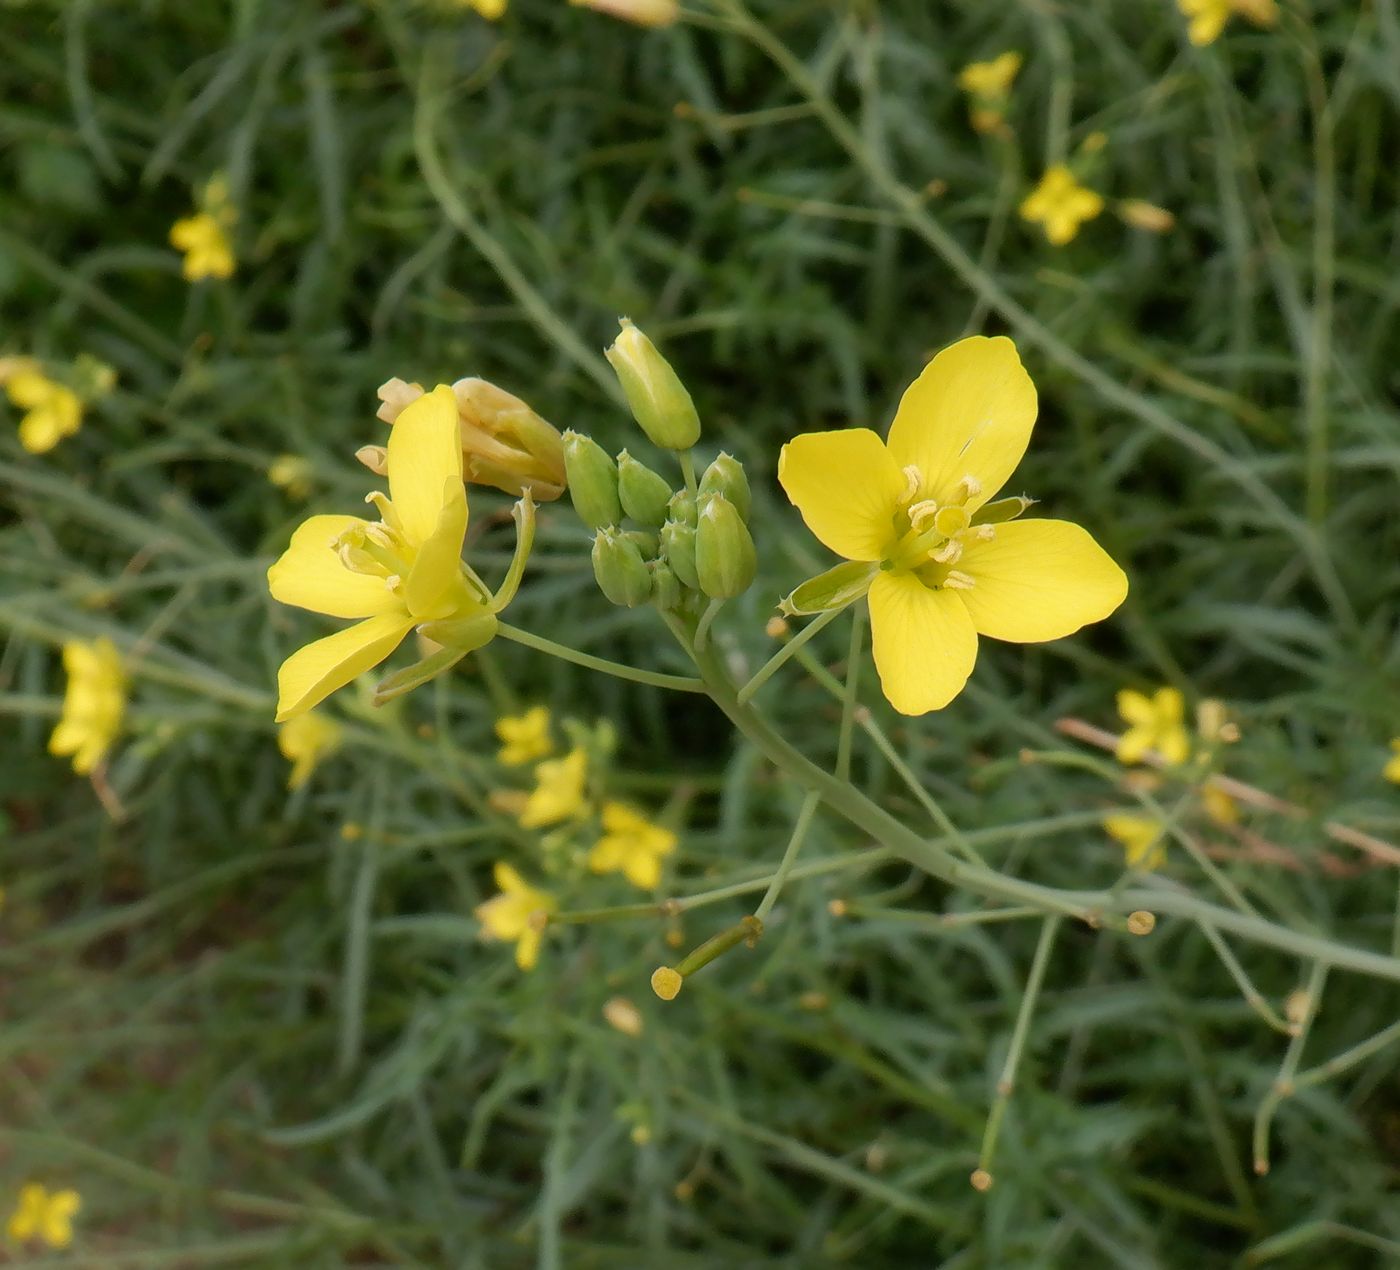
507	879
39	431
1135	707
434	583
847	488
527	948
1039	580
924	642
310	574
425	448
1168	705
1134	743
29	388
643	870
312	673
969	413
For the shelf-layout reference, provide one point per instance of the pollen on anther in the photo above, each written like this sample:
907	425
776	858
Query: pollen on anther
949	552
970	485
921	512
958	581
913	479
393	582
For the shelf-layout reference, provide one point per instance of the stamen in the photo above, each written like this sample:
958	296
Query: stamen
922	511
970	487
958	581
393	582
913	479
986	532
948	553
380	501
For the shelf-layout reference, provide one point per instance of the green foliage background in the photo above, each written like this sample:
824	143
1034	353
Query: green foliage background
249	1039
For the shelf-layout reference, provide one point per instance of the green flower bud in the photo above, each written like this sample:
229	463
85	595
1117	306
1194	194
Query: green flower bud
1003	509
622	574
644	493
725	560
726	476
678	546
682	508
592	481
665	586
658	400
647	541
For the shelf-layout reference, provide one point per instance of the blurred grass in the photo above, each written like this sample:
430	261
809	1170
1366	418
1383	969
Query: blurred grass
250	1039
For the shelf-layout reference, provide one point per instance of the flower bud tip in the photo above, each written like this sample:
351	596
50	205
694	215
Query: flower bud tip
666	983
1141	922
981	1180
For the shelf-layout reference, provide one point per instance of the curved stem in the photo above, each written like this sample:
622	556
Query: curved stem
769	668
653	678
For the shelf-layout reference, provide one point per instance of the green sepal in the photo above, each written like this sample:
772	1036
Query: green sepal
462	634
834	589
1003	509
414	676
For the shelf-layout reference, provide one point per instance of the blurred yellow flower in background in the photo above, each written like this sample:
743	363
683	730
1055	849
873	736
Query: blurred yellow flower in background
946	564
45	1215
204	237
305	741
560	791
632	845
52	410
1060	204
492	10
1155	723
649	13
1206	19
1391	770
1141	838
518	913
292	473
93	704
989	86
524	737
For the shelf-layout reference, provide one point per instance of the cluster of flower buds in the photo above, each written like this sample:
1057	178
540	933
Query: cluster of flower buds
651	542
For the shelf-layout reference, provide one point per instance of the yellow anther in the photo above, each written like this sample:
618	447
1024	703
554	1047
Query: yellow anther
969	487
950	521
913	480
393	582
949	553
921	512
986	532
958	581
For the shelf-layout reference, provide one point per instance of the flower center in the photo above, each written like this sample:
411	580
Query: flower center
933	541
374	550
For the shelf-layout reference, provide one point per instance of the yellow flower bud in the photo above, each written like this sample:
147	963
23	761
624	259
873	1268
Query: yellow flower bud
725	561
1143	215
658	400
592	481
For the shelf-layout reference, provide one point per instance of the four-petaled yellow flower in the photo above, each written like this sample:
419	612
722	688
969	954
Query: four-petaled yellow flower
631	844
519	912
204	237
1206	19
93	704
1141	837
45	1215
52	410
560	791
944	564
989	86
1060	204
1391	770
393	575
1154	723
305	741
524	737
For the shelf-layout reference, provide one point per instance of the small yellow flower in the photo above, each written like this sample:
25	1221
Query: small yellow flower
1154	723
649	13
559	792
988	84
93	704
292	473
393	575
204	237
519	912
1141	837
52	410
1206	19
492	10
943	564
632	845
524	737
1219	806
45	1215
1391	770
305	741
1061	204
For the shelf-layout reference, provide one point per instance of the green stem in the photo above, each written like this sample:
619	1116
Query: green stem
692	487
702	627
1007	1081
653	678
765	672
1349	1058
799	835
1252	996
1283	1085
848	698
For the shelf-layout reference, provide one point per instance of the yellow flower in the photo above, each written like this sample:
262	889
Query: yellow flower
943	563
403	571
524	737
52	411
632	845
519	912
650	13
989	86
1141	837
45	1215
292	473
1207	18
93	704
559	792
489	9
204	237
305	741
1219	806
1154	723
1391	770
1061	204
